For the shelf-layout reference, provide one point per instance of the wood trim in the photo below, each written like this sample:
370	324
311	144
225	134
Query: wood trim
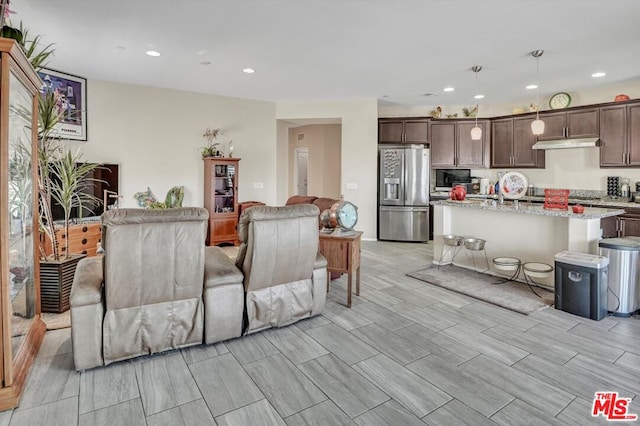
14	370
10	395
5	300
13	48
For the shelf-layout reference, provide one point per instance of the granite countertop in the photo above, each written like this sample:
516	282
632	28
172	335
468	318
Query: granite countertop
531	209
601	202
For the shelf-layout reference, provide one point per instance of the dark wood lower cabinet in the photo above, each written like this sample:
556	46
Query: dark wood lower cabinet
629	226
609	226
625	225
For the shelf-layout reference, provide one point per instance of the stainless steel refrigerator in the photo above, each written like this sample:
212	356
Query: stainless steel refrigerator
403	202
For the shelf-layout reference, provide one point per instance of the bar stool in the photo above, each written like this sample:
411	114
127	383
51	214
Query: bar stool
452	246
473	244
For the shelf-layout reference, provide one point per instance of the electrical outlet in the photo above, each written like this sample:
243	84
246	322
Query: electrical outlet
352	185
258	185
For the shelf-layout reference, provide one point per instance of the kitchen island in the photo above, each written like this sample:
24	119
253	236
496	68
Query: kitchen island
514	229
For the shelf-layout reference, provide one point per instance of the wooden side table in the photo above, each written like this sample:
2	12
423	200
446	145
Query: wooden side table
342	251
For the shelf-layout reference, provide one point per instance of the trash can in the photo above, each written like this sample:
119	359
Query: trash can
581	284
624	274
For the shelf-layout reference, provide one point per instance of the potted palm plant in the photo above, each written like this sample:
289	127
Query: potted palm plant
62	178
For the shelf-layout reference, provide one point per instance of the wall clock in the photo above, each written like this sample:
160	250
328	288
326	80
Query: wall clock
560	100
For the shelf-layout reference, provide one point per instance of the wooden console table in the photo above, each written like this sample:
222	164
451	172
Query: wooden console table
342	251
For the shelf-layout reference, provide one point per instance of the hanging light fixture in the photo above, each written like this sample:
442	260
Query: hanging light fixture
537	126
476	132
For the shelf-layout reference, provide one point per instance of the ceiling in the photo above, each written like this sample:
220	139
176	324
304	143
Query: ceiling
315	50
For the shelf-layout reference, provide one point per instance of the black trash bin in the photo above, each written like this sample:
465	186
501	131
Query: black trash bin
581	284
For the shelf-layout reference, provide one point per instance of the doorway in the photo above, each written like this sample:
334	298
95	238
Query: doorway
301	170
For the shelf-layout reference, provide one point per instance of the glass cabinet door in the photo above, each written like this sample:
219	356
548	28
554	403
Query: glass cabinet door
21	192
224	184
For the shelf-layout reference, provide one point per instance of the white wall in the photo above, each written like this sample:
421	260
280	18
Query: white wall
576	168
323	142
154	135
359	150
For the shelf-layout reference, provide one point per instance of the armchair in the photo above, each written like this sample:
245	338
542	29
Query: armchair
146	294
284	275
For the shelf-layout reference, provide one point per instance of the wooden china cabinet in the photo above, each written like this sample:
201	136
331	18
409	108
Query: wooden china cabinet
221	199
21	329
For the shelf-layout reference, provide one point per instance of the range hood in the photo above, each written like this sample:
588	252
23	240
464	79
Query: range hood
568	143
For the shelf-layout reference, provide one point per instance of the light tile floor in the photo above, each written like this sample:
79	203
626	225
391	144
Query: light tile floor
407	353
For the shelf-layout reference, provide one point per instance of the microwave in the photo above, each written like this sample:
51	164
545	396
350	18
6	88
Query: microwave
448	178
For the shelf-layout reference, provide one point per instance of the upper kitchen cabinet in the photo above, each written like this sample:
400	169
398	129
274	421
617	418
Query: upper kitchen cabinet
403	130
452	146
620	135
580	123
511	144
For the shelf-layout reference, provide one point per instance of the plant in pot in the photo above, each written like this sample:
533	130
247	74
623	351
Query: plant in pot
211	149
61	178
64	179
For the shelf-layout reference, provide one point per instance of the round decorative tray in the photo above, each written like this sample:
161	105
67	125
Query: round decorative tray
513	185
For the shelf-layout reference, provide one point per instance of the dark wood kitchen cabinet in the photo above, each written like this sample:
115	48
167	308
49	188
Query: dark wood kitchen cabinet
629	226
580	123
625	225
512	142
609	226
620	135
629	223
403	130
452	146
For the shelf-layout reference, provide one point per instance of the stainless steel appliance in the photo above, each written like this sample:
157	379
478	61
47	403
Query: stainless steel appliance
448	178
403	193
624	274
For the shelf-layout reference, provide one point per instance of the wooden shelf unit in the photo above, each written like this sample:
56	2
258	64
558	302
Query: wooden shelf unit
221	199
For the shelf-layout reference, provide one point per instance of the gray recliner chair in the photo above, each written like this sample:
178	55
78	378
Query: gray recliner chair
284	275
145	295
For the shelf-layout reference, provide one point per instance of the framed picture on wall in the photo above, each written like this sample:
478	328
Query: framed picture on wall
71	91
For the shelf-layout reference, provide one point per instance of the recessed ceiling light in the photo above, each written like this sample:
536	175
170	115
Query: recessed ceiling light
532	86
248	70
152	53
449	89
598	74
478	97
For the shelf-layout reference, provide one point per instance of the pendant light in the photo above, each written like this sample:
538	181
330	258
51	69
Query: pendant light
476	132
537	126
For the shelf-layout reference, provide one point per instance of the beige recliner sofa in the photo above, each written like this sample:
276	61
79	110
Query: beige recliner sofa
284	275
145	295
158	287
